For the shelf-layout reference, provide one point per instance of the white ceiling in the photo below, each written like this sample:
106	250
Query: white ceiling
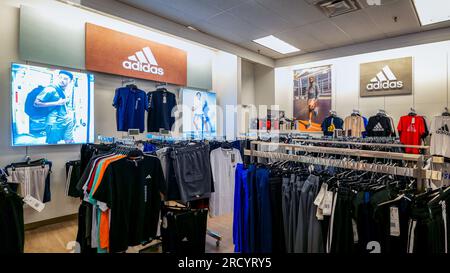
297	22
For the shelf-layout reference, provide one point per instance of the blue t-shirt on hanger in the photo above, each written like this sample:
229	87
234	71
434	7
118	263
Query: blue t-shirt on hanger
131	104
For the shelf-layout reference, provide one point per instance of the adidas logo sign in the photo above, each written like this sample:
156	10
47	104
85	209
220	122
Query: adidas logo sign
385	79
148	177
378	128
143	61
443	130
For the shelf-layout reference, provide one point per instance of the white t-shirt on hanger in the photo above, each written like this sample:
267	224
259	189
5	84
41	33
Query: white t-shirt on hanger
223	165
440	136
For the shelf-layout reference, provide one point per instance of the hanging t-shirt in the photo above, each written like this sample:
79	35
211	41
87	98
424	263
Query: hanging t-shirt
379	126
131	104
223	166
161	104
330	124
411	130
354	126
131	189
440	136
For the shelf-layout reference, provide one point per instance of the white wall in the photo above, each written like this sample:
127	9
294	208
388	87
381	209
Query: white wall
226	84
430	82
225	73
248	83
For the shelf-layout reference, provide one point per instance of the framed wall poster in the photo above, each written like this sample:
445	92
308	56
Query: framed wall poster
312	97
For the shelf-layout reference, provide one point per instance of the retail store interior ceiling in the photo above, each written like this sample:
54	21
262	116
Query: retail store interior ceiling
232	25
298	22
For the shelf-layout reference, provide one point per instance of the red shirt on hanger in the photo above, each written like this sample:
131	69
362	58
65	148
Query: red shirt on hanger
411	129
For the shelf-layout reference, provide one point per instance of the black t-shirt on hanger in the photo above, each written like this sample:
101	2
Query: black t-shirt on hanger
161	103
379	126
131	189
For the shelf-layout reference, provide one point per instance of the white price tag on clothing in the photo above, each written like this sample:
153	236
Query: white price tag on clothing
355	231
328	203
321	194
164	99
34	203
413	121
395	222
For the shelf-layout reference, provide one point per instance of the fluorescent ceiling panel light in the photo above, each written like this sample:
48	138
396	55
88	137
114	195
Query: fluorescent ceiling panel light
276	44
432	11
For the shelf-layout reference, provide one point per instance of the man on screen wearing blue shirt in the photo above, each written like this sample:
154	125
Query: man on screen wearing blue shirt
59	122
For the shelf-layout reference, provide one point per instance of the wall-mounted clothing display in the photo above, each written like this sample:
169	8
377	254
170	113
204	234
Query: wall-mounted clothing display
330	124
131	104
354	126
11	219
31	178
161	104
223	166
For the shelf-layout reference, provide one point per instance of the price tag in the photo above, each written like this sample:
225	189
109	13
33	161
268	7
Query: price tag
435	175
34	203
438	159
413	121
164	99
328	203
395	222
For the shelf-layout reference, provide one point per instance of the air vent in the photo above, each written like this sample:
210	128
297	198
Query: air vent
338	7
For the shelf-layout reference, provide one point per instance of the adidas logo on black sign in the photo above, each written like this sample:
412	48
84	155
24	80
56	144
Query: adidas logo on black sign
443	130
378	128
385	79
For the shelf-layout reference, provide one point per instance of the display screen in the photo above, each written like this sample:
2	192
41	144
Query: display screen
199	113
51	106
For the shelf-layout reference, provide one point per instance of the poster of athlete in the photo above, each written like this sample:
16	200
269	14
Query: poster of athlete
312	97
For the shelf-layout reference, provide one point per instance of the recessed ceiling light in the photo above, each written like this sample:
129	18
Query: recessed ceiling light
432	11
276	44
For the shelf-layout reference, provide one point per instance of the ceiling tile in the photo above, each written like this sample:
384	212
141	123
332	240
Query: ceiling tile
358	26
226	4
262	50
326	33
383	15
296	12
301	39
261	17
230	23
201	9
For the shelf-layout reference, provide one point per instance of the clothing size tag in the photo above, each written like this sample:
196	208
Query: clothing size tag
395	222
34	203
328	203
355	231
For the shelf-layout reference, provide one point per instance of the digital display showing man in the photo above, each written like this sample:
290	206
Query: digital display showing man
51	106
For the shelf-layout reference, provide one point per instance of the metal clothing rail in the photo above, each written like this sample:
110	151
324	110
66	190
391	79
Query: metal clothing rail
417	171
344	151
361	143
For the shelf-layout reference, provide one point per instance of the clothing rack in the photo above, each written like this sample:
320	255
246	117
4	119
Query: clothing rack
127	143
417	171
362	143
